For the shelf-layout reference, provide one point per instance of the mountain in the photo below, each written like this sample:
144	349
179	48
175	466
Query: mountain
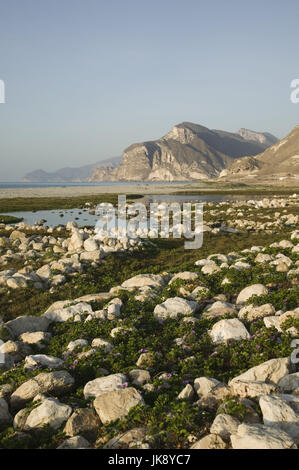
188	152
67	174
262	137
104	171
279	161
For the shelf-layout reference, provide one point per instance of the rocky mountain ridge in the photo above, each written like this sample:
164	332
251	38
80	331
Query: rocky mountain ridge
187	152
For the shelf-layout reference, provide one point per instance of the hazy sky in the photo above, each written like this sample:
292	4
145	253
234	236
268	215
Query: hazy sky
86	78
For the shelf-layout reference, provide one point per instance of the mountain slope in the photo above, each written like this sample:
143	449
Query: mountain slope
188	152
281	160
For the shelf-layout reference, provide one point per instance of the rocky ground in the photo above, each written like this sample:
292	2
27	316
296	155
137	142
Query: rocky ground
123	345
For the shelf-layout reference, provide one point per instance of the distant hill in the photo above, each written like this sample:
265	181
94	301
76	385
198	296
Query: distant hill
279	161
188	152
262	137
68	174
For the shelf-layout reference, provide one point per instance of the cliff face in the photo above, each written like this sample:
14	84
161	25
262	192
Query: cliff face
188	152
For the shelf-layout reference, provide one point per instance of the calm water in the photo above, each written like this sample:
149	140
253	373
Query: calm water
82	216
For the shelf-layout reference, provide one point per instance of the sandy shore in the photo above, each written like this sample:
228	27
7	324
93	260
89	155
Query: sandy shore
140	188
70	191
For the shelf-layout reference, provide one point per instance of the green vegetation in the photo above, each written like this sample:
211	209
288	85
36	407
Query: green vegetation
51	203
9	219
171	423
169	255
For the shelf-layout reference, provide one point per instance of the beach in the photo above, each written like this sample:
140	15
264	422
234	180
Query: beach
70	191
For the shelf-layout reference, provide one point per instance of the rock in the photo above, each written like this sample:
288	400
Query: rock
15	349
27	324
185	276
219	257
51	412
289	314
76	241
102	385
200	292
209	387
240	266
5	416
78	343
39	398
16	235
38	339
219	308
245	389
224	425
289	383
83	421
282	268
187	393
272	321
145	359
120	329
154	281
102	343
76	442
255	289
58	305
20	419
117	404
252	312
90	245
257	436
211	441
127	440
210	269
58	280
57	383
5	391
50	362
225	330
92	256
114	309
173	307
282	412
263	258
68	313
139	377
44	273
16	283
270	371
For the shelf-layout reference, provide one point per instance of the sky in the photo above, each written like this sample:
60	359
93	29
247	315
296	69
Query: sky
84	79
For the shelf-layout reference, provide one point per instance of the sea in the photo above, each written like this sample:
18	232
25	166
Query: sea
21	184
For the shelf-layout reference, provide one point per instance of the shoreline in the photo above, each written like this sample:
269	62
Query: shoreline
146	189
